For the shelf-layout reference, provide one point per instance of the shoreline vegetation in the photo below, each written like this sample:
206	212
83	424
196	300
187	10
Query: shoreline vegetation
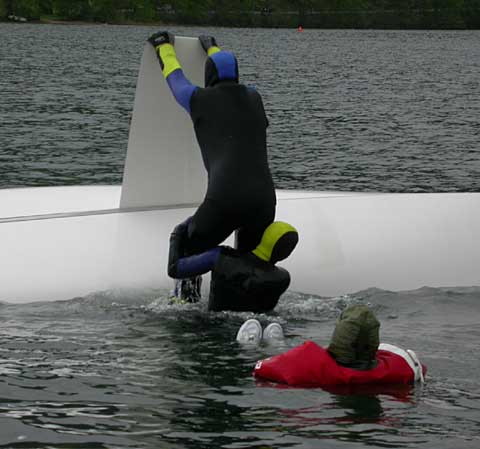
367	14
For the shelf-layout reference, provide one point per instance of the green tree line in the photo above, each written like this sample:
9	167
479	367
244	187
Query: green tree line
275	13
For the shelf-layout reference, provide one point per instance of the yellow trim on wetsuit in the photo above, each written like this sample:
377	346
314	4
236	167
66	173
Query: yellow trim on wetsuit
169	59
271	236
212	50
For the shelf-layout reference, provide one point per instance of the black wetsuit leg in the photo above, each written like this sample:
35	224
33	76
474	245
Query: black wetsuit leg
209	227
213	223
252	227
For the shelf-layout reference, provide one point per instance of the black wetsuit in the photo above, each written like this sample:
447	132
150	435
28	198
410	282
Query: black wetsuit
240	281
243	282
230	125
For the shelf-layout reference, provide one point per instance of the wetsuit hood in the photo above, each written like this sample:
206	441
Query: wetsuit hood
278	242
355	339
221	66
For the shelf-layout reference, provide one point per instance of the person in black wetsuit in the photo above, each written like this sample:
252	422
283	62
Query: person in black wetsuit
230	125
241	281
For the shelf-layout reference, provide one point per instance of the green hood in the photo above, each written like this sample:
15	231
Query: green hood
355	339
278	242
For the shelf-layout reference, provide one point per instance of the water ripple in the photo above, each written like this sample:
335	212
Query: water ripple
349	110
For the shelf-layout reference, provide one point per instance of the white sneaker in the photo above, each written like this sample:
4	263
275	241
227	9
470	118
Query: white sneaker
250	332
273	332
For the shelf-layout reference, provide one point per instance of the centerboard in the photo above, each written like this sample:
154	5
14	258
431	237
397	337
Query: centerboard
164	165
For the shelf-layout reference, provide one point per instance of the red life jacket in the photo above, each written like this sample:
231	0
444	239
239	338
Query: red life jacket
310	365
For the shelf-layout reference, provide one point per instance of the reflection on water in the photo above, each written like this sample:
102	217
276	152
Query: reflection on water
126	370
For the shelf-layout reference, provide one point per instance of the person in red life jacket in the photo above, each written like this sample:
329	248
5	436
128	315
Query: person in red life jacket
230	125
353	357
241	281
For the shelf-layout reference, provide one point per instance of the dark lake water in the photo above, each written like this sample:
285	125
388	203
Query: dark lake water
349	110
127	370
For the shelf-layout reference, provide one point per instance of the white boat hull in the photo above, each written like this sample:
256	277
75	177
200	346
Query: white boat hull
348	242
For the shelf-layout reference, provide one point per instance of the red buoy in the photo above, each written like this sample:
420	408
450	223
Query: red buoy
300	28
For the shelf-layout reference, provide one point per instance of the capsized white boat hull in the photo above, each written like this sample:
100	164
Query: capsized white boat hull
348	241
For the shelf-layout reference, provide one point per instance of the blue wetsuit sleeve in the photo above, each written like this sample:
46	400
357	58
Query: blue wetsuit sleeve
182	89
181	266
198	264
